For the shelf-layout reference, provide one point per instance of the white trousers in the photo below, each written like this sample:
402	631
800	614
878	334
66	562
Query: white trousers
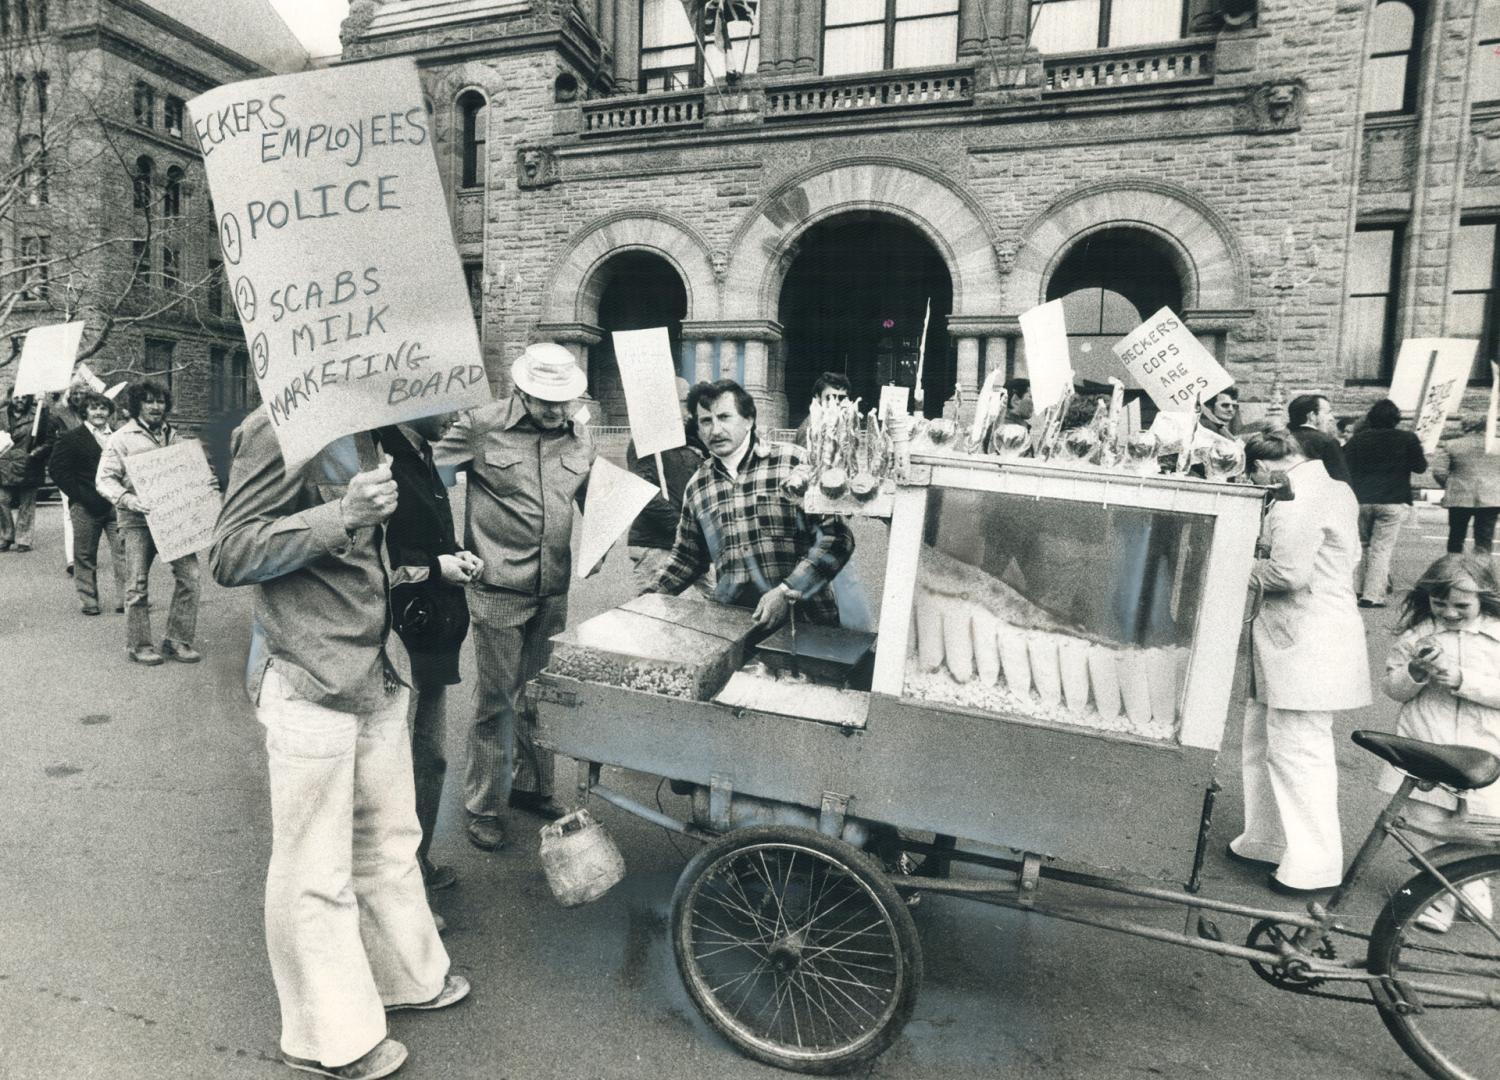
1291	796
348	928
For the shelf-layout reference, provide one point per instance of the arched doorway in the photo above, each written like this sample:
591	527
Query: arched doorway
637	290
1110	282
853	302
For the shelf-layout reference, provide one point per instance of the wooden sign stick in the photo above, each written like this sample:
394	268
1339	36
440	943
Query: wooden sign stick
661	476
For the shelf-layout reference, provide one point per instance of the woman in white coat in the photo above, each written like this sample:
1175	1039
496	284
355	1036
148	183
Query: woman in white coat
1309	661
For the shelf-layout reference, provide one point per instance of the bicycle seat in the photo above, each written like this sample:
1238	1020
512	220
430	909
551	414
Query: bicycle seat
1460	767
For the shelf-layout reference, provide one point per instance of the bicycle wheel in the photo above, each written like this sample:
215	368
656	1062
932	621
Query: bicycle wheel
1444	1005
796	948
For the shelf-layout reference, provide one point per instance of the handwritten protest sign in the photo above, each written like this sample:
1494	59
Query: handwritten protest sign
1429	382
1170	363
894	400
47	358
1049	365
89	379
181	498
616	498
337	244
650	380
114	391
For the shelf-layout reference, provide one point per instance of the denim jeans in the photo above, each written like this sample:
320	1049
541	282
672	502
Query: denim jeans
1379	529
348	928
17	513
427	719
86	532
182	617
1484	527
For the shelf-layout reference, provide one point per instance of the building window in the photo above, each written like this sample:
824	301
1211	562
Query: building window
475	122
35	268
171	196
18	93
216	287
145	105
669	51
171	116
158	360
1484	77
34	173
140	264
1060	26
41	80
5	17
218	378
241	386
229	380
141	182
1391	71
1471	305
171	268
873	35
474	281
1370	306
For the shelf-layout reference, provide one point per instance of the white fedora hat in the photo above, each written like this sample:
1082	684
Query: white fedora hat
548	372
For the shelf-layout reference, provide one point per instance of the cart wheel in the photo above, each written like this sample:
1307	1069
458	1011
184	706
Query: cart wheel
796	948
1444	1004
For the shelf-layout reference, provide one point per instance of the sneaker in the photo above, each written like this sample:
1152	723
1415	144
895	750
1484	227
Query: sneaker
183	654
455	989
1369	603
386	1058
486	833
543	806
23	547
144	654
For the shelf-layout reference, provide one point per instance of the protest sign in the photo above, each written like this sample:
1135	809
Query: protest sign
181	498
47	358
650	381
1429	382
616	498
114	391
336	240
894	400
1049	365
1170	363
1492	421
92	381
6	442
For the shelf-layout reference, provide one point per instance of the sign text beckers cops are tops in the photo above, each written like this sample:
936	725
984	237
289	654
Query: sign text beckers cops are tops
339	252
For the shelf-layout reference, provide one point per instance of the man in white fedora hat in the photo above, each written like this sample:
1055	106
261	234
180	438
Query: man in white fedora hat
528	465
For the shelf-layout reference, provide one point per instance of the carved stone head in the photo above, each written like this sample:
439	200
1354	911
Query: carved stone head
535	167
719	260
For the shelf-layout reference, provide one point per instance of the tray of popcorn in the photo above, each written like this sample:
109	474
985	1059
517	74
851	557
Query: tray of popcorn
724	621
830	655
641	652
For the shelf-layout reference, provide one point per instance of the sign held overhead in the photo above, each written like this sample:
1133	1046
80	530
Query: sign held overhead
650	381
1170	363
338	248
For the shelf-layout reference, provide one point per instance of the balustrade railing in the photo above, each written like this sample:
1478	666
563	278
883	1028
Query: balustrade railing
884	90
643	112
1180	62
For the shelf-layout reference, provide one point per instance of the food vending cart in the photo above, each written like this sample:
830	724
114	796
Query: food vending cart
1046	696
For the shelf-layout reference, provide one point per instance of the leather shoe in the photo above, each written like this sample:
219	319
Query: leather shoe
1246	860
1281	888
542	806
437	878
183	654
144	654
387	1056
486	833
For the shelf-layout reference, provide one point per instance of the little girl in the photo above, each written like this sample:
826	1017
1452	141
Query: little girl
1445	671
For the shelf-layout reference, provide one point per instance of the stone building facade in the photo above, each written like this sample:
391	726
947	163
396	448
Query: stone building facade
1308	182
123	236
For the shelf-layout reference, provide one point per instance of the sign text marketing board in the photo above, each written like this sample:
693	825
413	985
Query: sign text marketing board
339	252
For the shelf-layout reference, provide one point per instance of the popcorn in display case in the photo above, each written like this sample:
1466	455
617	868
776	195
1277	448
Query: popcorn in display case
1053	600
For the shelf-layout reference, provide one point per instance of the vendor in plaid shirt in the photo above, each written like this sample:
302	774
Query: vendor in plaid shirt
736	518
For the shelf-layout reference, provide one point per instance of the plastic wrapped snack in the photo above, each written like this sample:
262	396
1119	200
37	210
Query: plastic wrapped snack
1045	674
929	630
986	647
1164	677
958	646
1013	660
1104	678
1135	685
1073	662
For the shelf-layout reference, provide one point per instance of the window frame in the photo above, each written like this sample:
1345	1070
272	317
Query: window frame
1392	296
472	152
152	373
172	192
143	102
1106	13
37	247
172	105
142	181
1412	52
890	22
1489	334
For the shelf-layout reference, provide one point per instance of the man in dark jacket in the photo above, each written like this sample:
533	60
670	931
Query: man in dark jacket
75	459
1312	422
23	466
1382	458
651	535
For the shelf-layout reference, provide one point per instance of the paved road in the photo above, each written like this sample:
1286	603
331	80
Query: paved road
133	842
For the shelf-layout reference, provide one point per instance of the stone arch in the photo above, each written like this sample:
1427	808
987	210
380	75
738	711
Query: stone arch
1207	256
953	220
573	291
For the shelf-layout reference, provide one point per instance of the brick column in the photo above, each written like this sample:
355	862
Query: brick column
772	19
970	28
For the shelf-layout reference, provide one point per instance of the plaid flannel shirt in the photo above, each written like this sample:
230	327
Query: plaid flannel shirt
755	536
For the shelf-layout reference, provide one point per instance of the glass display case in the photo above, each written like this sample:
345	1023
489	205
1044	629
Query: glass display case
1070	599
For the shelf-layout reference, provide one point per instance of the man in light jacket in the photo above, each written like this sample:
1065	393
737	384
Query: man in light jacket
148	404
1471	483
1309	660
